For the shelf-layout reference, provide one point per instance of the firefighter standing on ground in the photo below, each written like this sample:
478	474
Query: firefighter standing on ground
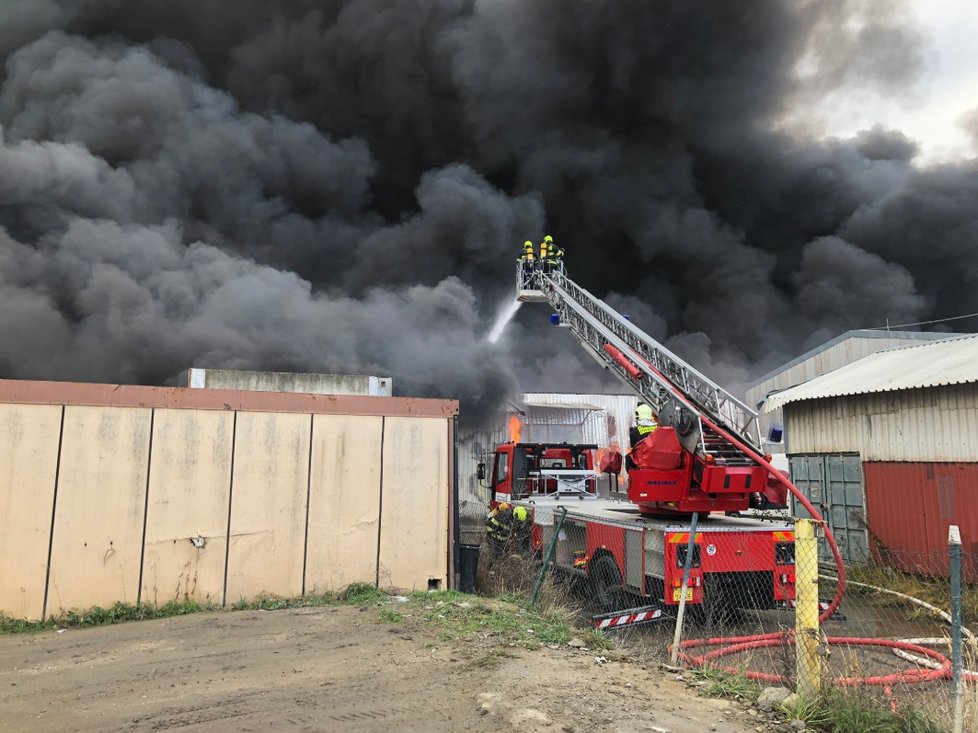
645	425
507	527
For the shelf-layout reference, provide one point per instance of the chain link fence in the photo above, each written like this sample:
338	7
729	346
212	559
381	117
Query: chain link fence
886	643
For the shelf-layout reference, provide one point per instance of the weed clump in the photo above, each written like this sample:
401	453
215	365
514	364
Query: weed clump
97	616
356	594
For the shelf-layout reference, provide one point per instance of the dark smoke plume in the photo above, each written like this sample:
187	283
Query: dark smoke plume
343	185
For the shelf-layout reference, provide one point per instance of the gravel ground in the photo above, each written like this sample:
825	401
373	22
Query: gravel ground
334	669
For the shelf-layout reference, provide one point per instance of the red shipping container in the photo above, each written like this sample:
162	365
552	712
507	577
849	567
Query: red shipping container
909	507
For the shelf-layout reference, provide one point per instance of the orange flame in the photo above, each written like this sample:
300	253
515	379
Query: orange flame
514	428
620	477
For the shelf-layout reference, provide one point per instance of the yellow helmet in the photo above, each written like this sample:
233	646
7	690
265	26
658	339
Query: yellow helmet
520	513
643	412
548	239
503	506
527	244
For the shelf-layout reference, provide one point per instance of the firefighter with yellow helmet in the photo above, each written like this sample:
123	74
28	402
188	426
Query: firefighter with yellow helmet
528	259
508	528
645	425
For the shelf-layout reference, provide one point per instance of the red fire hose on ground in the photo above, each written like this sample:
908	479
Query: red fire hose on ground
938	669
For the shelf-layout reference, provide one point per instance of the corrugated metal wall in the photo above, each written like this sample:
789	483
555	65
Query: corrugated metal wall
911	505
554	417
475	447
938	424
606	426
170	494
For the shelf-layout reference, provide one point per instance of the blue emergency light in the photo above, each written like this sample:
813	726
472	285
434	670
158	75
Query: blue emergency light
555	319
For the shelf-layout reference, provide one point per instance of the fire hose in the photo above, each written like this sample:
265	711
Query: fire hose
936	666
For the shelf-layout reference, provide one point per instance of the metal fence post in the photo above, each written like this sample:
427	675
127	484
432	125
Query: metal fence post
957	664
806	611
550	554
690	544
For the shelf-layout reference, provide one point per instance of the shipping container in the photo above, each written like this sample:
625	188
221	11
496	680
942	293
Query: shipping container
909	509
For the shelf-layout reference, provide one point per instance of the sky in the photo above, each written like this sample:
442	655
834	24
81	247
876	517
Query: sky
930	111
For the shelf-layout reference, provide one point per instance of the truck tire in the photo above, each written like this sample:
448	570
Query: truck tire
606	588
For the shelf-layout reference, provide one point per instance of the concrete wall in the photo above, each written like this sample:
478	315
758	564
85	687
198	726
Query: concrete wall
168	494
29	439
341	384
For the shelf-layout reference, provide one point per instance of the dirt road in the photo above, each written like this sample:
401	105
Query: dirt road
329	669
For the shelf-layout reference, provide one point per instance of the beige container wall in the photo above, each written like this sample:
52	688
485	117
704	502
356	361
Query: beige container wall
414	503
187	509
28	465
134	497
268	505
98	532
344	502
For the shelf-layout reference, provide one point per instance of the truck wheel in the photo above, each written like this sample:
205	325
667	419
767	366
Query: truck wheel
606	585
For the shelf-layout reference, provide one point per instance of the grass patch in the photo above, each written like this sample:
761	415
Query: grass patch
836	711
357	594
936	591
595	639
812	712
846	712
390	616
460	617
97	616
724	684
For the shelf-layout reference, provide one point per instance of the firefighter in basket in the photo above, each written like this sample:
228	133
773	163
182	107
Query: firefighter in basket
528	258
645	425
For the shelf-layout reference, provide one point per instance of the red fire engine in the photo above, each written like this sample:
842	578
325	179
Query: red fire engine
703	463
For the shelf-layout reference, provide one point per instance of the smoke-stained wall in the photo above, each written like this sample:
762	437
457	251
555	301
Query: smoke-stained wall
343	186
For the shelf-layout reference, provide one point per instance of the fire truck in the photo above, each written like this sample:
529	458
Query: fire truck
675	534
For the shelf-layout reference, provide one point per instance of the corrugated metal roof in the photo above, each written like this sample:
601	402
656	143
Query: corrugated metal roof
848	336
562	405
953	361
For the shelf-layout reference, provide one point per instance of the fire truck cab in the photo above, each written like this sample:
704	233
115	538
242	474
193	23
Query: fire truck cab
525	470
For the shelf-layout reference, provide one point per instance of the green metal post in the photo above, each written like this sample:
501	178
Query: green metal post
957	664
546	559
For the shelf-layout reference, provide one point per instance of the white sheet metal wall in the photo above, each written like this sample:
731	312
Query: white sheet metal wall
475	447
605	426
937	424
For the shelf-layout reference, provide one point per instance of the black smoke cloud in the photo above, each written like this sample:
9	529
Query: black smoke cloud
343	186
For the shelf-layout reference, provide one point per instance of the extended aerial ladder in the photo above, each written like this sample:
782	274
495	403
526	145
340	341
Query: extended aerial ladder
719	434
